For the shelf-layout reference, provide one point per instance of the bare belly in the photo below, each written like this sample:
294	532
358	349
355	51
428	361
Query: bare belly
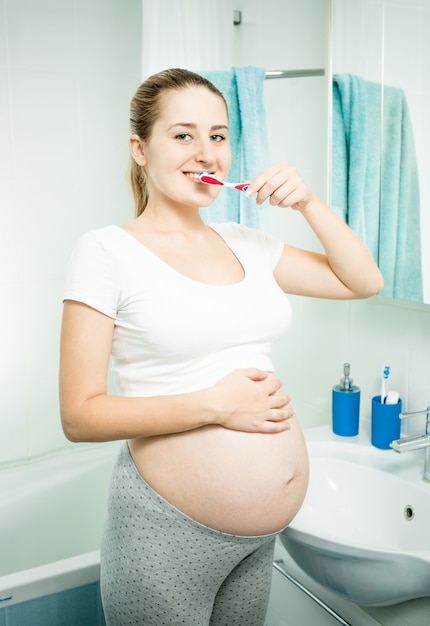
235	482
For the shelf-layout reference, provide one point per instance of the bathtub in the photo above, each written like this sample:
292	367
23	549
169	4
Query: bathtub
51	516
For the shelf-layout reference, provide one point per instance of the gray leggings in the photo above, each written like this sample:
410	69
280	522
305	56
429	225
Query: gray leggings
162	568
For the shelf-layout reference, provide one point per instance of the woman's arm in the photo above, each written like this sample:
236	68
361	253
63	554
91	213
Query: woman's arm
248	400
346	270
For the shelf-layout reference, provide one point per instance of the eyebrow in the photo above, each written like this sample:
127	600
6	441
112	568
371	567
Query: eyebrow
192	125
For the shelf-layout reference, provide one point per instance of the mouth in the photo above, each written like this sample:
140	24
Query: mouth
194	176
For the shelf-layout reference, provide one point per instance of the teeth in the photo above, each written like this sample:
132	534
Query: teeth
192	174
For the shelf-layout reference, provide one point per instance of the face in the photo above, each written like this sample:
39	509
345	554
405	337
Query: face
190	135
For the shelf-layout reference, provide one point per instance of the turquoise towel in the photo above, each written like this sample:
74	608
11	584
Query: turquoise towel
375	179
243	89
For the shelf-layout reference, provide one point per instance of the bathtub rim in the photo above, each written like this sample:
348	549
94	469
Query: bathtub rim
54	577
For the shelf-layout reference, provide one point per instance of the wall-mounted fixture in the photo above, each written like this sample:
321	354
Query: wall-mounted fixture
237	18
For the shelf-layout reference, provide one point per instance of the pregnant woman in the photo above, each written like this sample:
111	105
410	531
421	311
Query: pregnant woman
214	463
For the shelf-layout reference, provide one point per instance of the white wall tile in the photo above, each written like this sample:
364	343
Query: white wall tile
104	130
45	223
297	110
9	237
13	401
13	422
63	158
12	363
3	48
44	122
418	365
54	204
43	424
406	65
380	338
272	33
6	153
40	35
310	357
107	40
205	47
104	205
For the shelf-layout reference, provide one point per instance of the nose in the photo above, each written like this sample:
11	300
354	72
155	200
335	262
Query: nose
204	151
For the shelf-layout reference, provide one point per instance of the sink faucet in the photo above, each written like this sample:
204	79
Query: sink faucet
416	443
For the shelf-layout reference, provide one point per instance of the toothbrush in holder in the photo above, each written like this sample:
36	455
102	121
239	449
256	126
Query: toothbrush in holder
210	179
385	375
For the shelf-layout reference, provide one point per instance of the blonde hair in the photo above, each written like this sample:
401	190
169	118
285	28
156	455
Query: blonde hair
144	112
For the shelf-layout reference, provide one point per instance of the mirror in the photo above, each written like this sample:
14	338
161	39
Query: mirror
385	44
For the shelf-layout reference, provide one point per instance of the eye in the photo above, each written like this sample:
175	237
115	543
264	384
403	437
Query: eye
218	138
183	137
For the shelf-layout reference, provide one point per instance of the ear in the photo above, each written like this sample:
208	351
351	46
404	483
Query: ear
137	150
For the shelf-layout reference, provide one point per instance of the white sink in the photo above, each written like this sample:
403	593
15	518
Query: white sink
364	528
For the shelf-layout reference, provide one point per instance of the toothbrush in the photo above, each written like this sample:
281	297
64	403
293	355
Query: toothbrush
210	179
385	374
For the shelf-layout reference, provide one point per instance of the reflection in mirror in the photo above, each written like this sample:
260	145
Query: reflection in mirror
380	150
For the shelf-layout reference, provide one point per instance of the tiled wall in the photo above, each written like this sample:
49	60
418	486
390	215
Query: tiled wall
68	69
369	334
324	334
378	332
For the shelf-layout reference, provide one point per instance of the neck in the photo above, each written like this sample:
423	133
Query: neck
167	219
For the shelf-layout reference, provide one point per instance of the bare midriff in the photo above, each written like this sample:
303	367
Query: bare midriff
235	482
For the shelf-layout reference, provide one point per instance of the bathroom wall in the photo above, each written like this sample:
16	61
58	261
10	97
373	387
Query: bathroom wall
286	34
380	331
67	71
369	334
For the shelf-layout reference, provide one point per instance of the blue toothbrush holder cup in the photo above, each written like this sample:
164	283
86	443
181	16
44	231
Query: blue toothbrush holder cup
385	423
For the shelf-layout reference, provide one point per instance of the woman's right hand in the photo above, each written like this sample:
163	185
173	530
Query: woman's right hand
251	400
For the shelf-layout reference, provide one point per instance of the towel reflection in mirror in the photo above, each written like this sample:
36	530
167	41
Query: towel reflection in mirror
375	185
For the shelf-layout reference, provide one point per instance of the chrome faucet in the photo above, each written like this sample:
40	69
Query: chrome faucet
416	443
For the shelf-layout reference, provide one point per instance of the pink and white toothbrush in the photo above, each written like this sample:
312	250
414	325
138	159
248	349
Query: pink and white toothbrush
209	179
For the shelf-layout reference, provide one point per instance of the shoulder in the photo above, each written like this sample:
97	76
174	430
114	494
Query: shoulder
99	236
99	243
97	251
92	271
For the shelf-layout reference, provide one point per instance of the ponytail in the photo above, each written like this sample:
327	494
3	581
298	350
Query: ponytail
139	187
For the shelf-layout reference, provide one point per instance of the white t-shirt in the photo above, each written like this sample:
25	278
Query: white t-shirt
174	334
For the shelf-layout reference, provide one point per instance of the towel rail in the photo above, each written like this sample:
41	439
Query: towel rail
293	73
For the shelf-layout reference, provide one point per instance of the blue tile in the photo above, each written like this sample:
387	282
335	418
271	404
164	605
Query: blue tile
102	621
3	617
67	608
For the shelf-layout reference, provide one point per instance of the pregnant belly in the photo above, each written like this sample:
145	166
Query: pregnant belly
235	482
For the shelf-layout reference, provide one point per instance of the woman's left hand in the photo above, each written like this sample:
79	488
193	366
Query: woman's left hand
282	185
